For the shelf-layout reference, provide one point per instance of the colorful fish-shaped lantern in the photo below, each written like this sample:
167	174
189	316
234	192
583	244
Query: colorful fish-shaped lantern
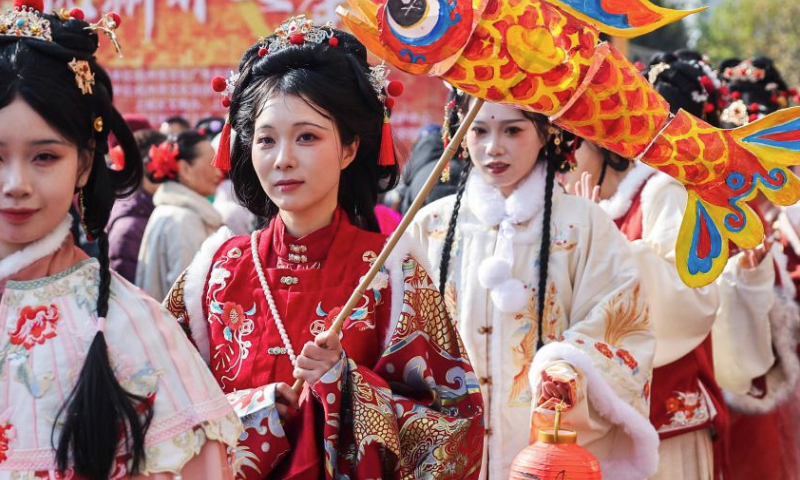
545	56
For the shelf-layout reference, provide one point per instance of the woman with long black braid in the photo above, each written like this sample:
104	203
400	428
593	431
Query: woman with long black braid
549	315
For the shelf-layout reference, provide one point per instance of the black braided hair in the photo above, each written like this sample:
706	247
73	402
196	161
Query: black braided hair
36	71
451	228
544	249
334	80
454	110
557	152
89	438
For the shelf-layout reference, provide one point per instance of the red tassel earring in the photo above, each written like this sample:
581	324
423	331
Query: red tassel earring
226	87
222	160
387	157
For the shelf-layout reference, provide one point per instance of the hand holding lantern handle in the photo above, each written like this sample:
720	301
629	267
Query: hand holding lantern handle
558	388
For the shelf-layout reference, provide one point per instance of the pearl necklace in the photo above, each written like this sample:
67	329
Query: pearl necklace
271	301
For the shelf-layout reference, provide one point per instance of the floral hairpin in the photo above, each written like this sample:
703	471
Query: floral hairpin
300	30
744	72
108	24
225	87
378	78
163	164
84	77
25	20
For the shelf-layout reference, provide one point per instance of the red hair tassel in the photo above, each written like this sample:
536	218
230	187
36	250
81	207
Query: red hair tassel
386	158
222	160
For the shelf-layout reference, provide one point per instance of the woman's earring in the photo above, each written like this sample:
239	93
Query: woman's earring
464	150
82	212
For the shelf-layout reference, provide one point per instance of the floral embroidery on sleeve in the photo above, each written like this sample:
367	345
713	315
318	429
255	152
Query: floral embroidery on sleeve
603	348
621	355
35	325
6	435
237	323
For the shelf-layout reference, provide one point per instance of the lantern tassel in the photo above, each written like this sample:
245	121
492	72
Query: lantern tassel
222	159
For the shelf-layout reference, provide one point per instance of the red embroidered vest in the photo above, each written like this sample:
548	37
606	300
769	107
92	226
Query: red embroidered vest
246	347
685	396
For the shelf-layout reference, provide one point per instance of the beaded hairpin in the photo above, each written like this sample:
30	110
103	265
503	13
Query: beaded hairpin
25	19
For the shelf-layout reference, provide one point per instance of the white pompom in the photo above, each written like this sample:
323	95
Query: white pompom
511	296
493	271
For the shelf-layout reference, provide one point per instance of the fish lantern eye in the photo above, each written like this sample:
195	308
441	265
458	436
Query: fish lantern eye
425	31
418	22
406	14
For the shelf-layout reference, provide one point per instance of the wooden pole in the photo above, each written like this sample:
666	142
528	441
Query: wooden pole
448	154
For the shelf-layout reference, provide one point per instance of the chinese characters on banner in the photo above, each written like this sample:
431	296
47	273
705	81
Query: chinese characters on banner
172	48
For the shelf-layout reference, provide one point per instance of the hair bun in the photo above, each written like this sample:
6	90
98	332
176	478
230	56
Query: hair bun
74	35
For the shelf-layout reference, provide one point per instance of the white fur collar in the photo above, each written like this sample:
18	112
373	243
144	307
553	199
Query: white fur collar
619	204
194	289
525	203
35	251
490	207
176	194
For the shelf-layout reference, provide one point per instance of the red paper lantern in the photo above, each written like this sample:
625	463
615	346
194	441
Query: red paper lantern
555	457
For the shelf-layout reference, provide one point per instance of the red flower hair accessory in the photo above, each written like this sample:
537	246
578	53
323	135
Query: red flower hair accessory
117	159
225	87
163	164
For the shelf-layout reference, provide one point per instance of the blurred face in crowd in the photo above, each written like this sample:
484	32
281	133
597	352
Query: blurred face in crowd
40	171
588	159
199	175
298	157
503	145
172	129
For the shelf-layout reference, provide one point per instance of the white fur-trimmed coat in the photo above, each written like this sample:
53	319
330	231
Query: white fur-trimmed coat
595	320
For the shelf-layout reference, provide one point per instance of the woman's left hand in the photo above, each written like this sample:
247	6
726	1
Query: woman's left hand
752	258
318	357
584	188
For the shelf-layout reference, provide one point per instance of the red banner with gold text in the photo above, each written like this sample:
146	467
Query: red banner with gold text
172	48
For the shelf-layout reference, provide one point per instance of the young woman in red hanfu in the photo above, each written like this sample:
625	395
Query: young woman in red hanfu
394	396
